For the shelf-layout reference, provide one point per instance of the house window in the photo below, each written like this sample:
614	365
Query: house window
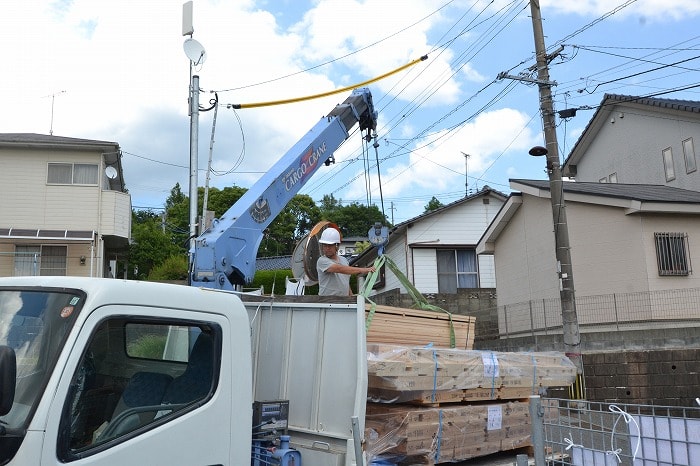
672	255
72	173
40	260
456	268
668	164
689	154
27	261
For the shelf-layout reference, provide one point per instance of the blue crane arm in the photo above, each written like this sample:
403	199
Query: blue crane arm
224	255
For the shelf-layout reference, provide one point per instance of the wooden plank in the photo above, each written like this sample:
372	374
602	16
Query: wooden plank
440	398
416	327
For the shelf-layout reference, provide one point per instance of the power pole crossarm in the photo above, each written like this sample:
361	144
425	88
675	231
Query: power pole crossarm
527	79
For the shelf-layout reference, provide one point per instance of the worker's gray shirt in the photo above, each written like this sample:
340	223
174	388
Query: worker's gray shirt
332	284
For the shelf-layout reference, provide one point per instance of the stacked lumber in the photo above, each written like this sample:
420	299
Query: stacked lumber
453	433
439	375
436	405
414	327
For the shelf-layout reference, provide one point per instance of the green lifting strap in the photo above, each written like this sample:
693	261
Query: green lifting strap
418	299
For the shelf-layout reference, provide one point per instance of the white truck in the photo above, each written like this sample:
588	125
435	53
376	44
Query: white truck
115	372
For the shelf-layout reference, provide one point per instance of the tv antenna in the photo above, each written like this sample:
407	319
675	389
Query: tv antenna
466	174
53	98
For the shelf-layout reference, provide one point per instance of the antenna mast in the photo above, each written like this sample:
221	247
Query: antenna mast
53	98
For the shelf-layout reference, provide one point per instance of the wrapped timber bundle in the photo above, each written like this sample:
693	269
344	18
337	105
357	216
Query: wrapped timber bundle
400	374
416	327
420	435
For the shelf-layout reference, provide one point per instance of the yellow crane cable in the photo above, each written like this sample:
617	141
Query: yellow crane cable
326	94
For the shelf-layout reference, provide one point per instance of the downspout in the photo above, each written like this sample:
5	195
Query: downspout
92	255
100	187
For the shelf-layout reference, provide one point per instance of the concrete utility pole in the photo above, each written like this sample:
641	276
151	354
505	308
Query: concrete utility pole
572	337
194	142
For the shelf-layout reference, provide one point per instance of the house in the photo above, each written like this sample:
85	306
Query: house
639	140
348	244
65	208
436	250
633	239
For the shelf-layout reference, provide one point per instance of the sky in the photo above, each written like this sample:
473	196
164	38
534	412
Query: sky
117	71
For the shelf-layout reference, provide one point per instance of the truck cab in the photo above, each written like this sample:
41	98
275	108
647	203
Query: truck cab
110	372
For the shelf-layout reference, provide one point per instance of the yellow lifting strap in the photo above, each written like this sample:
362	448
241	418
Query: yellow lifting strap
326	94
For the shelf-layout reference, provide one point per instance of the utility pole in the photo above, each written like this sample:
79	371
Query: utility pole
197	55
194	142
571	335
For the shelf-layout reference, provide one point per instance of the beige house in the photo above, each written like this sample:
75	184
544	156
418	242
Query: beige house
64	209
627	240
644	140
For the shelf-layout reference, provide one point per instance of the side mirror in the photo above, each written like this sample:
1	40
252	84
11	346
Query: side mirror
8	378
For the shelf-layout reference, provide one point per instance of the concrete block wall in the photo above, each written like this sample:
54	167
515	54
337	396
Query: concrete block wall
665	377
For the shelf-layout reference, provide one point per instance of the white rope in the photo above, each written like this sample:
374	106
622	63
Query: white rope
627	418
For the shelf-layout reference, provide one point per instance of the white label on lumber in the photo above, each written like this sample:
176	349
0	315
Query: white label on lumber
495	418
490	364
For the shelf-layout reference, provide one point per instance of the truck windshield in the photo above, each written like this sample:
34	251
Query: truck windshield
34	323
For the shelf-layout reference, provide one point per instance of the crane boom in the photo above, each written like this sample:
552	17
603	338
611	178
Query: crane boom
224	254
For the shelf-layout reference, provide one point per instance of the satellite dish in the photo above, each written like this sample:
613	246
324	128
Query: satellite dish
111	172
194	51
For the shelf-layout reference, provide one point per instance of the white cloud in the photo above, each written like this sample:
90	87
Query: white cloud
440	165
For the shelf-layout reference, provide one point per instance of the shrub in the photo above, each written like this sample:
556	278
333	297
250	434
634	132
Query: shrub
173	268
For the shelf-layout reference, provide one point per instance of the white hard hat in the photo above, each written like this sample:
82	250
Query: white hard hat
330	236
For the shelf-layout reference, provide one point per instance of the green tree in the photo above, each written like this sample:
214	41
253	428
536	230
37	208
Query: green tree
220	200
151	245
432	205
176	197
297	217
329	205
354	219
177	217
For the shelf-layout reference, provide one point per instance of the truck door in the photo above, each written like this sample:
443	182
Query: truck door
143	387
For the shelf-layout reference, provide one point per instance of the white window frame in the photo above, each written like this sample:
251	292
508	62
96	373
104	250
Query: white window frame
82	174
449	280
667	156
689	155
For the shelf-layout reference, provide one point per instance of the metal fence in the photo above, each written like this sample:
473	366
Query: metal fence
583	433
615	311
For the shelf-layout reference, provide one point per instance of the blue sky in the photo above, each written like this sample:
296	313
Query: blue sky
116	71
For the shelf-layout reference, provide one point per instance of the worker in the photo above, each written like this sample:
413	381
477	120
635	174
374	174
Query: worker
333	270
